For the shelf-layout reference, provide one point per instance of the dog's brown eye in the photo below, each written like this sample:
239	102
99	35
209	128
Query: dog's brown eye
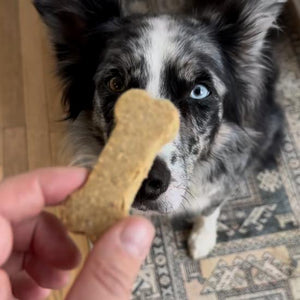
116	85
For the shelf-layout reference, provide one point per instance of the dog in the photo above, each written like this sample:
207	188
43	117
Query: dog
214	62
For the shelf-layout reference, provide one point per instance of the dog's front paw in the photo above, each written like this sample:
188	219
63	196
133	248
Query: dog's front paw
202	240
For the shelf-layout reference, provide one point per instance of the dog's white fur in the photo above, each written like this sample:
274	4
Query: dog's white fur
203	238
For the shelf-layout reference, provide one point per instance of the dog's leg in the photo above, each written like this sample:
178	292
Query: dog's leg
203	237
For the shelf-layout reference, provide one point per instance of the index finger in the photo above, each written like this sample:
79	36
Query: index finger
26	195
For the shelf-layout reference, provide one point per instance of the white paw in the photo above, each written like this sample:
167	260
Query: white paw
202	241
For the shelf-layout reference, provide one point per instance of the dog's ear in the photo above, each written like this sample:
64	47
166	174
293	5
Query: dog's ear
246	23
73	25
243	35
69	20
242	25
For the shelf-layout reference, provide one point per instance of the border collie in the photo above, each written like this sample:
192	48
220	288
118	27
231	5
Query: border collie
214	62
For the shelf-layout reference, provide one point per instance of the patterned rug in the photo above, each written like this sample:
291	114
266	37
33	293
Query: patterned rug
258	250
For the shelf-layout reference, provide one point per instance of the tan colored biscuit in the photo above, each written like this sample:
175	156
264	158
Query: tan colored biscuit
143	127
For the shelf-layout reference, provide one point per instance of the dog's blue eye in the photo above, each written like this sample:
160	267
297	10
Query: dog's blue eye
199	92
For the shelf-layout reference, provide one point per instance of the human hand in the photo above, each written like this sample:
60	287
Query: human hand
112	266
36	252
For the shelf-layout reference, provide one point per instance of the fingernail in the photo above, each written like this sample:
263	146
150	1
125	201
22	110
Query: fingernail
137	237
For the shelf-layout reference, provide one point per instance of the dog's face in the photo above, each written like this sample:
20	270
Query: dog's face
162	56
200	63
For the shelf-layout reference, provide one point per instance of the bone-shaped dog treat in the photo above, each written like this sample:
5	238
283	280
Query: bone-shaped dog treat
143	127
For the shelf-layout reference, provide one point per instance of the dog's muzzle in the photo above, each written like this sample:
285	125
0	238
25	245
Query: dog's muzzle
155	185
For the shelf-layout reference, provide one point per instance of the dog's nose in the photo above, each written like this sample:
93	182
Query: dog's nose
157	182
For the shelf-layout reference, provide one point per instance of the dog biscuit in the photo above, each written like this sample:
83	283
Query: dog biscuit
142	127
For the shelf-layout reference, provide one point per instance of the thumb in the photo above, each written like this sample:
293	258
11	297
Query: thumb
111	268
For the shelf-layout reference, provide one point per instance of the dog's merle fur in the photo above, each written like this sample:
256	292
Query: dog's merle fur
223	44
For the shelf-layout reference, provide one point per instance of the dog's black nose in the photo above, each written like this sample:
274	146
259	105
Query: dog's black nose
157	182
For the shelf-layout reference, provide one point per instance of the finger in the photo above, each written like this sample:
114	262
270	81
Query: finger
15	263
31	192
47	239
25	288
5	288
6	240
111	269
45	275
